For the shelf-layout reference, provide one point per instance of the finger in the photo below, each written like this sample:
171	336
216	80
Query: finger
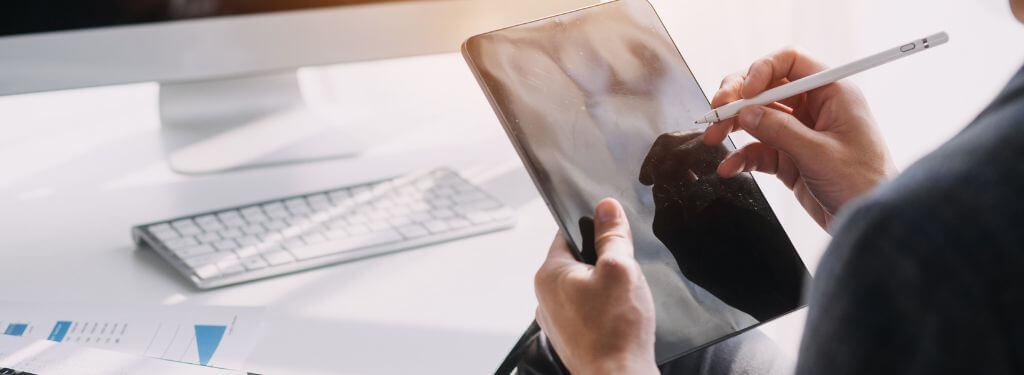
789	63
781	131
752	157
722	129
728	93
611	230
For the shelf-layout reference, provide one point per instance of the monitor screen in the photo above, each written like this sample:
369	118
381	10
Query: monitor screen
37	16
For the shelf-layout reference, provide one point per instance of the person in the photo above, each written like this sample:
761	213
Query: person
922	274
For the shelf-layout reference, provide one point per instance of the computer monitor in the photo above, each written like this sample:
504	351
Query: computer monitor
229	94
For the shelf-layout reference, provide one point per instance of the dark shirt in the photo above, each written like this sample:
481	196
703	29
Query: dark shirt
926	274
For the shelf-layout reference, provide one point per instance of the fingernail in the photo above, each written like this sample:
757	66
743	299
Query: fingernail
735	171
607	211
750	118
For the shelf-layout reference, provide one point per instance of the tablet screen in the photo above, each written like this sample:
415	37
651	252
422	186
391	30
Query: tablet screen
599	103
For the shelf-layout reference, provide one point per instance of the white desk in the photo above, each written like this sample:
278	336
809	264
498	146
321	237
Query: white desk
79	168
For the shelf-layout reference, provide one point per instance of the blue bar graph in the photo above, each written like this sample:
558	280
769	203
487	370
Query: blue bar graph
207	340
16	329
59	331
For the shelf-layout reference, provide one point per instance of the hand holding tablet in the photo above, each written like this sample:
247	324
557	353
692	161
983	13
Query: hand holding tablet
599	103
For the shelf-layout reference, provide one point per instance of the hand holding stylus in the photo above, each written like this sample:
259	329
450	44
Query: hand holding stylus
823	144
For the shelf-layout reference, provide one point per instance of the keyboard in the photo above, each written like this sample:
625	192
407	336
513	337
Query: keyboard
278	237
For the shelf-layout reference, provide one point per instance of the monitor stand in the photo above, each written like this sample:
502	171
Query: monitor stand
226	124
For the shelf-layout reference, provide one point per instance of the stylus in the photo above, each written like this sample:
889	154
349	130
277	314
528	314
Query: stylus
820	79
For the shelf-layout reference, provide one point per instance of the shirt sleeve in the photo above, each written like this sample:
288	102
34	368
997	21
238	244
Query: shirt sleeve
901	290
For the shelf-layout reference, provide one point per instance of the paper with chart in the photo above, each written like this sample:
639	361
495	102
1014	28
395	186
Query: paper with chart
209	336
28	356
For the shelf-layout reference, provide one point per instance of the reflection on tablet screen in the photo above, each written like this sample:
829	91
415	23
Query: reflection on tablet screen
599	103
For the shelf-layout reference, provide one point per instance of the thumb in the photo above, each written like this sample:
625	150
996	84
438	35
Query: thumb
781	131
613	241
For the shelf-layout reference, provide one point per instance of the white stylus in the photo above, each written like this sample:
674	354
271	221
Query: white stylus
819	79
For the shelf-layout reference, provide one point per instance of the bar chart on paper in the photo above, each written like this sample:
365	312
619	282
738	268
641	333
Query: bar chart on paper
209	336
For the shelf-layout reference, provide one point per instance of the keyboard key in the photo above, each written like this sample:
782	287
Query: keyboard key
314	238
235	222
442	202
206	219
275	225
273	206
347	244
277	258
298	221
208	271
413	231
378	226
192	251
189	231
212	226
211	258
228	261
226	245
338	196
229	215
293	242
334	234
279	214
248	241
247	251
317	198
378	215
253	229
399	221
300	210
183	223
357	219
358	229
251	211
257	218
231	233
232	269
208	237
443	213
254	263
167	235
436	226
458	223
180	243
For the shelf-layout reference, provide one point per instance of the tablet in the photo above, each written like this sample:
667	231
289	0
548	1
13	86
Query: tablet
600	103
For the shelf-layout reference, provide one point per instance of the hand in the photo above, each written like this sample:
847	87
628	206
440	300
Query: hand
600	319
824	144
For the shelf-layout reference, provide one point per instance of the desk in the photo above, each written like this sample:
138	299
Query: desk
81	167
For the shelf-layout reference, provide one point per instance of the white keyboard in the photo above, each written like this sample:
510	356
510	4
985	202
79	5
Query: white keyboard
298	233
